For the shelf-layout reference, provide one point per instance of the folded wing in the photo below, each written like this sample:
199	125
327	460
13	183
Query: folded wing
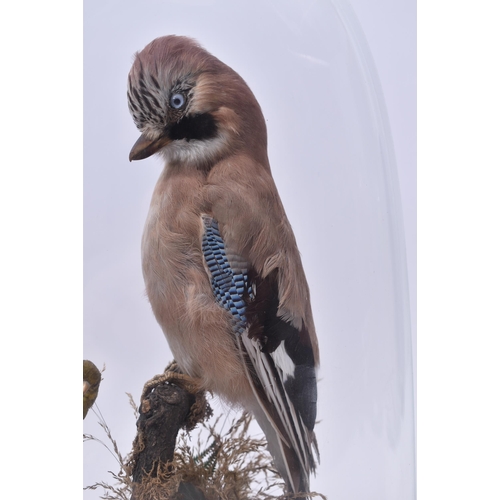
278	357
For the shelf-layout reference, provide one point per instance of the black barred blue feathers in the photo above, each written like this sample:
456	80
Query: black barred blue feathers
281	367
229	287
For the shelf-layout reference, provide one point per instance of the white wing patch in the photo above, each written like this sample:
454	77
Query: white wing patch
276	394
283	361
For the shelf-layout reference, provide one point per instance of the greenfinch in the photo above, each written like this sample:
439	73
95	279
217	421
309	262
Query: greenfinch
91	381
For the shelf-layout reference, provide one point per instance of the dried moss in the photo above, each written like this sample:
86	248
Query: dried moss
224	465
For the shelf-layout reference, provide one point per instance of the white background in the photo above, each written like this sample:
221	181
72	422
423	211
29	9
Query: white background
304	64
458	247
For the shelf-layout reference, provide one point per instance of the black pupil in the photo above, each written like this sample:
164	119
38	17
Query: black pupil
177	101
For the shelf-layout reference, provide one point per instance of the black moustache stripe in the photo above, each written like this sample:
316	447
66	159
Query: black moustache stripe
196	127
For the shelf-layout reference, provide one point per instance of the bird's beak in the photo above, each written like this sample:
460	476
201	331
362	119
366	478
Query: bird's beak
86	386
145	147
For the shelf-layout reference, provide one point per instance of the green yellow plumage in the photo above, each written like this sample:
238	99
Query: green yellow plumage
91	381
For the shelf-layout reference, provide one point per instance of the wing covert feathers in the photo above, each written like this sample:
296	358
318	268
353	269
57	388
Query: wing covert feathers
278	357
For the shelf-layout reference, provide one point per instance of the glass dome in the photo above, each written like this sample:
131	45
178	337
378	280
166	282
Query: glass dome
331	154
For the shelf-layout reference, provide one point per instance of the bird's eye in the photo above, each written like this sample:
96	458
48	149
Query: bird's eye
177	101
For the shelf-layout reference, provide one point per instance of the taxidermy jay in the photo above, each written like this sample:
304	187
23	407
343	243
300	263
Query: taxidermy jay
221	266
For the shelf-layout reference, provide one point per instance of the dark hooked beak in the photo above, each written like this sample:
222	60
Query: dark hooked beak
144	147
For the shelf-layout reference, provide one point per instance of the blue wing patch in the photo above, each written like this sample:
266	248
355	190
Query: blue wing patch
229	286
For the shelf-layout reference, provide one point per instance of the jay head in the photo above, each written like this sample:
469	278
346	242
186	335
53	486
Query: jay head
191	107
220	262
